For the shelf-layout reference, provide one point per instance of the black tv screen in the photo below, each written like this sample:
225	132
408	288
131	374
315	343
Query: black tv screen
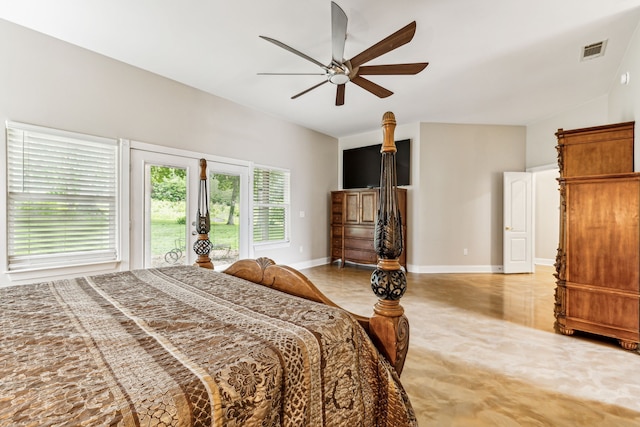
361	166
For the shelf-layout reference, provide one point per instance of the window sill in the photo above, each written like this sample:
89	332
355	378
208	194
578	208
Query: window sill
49	273
271	245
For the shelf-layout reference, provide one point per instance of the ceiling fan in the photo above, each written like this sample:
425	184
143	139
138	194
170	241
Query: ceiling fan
340	72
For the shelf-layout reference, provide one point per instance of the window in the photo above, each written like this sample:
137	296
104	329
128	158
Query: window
270	205
62	198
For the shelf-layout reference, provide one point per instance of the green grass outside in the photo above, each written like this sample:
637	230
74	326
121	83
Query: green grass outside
168	233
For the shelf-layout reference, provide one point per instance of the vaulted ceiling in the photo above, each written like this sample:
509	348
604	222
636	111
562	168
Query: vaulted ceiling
491	61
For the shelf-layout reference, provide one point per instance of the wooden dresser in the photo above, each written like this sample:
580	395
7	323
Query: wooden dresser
598	259
353	221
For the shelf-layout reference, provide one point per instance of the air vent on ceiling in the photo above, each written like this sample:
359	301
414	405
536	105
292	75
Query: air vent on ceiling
594	50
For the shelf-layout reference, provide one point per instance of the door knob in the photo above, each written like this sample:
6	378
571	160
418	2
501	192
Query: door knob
507	228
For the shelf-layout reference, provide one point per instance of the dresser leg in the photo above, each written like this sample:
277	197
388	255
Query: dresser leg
628	345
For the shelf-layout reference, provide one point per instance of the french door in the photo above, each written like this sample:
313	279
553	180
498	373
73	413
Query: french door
164	201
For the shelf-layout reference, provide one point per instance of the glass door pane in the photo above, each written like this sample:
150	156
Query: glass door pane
228	204
168	216
225	218
163	204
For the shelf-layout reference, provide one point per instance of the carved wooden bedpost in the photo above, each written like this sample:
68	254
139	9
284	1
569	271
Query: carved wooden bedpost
203	245
389	281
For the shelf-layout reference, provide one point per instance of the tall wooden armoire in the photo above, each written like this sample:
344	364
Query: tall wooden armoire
598	259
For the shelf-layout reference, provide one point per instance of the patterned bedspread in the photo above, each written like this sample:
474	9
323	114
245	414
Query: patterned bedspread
187	346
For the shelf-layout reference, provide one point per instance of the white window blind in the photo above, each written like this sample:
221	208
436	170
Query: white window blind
270	205
62	198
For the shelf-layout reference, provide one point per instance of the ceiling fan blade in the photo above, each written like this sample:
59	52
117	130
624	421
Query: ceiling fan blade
292	50
375	89
340	95
338	32
395	40
414	68
308	90
292	74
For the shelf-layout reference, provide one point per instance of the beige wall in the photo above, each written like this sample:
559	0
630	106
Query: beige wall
461	193
624	100
51	83
547	216
455	200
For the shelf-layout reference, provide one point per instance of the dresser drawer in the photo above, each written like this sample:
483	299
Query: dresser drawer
359	232
337	197
366	257
366	244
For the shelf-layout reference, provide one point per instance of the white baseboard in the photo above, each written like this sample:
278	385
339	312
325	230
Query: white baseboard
456	269
442	269
310	263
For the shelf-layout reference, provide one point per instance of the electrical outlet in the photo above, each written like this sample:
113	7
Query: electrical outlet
465	251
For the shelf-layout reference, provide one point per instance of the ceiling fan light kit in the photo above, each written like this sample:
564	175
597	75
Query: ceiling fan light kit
340	72
338	75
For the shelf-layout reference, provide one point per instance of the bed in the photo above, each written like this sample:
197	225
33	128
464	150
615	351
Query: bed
255	345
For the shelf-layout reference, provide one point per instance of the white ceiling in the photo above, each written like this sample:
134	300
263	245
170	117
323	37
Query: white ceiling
491	61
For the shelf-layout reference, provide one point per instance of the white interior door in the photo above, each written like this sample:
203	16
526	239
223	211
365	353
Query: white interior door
518	223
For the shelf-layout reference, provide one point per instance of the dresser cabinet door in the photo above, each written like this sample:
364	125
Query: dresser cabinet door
368	207
352	208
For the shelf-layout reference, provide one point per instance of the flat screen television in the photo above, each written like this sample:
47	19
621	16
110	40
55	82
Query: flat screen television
361	166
